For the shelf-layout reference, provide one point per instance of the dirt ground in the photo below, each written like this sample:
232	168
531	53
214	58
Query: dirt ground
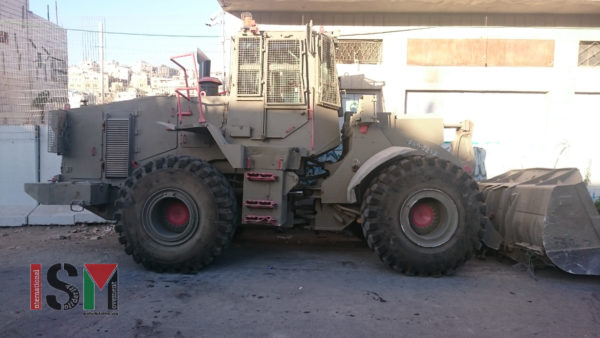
295	284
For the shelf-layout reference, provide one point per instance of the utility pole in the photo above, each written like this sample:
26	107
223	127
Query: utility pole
101	63
216	19
223	37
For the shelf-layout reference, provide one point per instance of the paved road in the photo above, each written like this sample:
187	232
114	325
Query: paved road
290	285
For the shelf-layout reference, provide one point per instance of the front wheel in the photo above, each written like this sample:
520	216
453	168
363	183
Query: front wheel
176	214
422	215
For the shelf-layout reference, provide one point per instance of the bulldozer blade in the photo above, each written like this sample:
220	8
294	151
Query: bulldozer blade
546	214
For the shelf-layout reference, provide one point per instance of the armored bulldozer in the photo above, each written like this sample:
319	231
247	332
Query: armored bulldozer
179	174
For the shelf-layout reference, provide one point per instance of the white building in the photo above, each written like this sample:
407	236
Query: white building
142	67
117	72
85	78
527	73
141	81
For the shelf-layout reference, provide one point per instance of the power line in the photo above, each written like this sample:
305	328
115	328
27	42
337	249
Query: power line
144	34
387	32
218	36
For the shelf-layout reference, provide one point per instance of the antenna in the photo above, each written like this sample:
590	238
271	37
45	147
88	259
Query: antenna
101	62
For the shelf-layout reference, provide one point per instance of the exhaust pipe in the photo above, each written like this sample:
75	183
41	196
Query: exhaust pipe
204	63
208	84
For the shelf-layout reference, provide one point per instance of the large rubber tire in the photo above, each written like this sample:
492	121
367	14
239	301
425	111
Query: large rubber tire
176	214
423	216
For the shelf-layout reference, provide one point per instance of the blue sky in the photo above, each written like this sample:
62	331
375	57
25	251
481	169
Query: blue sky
178	17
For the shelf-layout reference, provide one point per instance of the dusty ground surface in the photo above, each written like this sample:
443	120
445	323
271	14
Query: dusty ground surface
270	284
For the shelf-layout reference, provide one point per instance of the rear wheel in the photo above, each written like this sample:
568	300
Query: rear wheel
176	214
422	215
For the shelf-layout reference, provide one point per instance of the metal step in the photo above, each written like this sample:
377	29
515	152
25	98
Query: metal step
260	204
257	219
261	177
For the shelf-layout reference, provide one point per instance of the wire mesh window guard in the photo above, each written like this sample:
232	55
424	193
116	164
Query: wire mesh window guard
33	68
328	78
284	72
589	53
359	51
249	66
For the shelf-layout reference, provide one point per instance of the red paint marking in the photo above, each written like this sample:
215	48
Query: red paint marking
256	219
364	128
312	128
279	163
177	213
265	177
248	162
35	286
290	129
421	215
260	204
100	273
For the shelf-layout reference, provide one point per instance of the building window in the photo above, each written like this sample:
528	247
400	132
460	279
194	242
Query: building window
359	51
4	37
589	53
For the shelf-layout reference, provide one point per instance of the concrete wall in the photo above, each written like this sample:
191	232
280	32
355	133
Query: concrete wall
18	147
23	150
371	10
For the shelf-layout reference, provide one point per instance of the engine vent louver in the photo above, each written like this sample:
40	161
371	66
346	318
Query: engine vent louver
118	136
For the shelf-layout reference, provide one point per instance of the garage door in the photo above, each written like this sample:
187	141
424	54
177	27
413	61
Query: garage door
511	127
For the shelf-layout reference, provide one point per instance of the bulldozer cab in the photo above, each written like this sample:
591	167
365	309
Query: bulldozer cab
284	89
285	69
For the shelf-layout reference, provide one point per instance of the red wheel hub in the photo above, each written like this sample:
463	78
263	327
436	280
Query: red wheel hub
177	213
421	215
